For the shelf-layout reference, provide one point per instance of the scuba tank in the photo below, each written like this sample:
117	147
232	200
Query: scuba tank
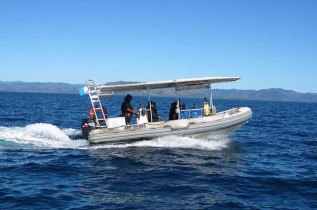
213	110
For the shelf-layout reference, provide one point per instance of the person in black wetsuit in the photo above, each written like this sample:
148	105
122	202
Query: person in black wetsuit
155	117
173	114
127	109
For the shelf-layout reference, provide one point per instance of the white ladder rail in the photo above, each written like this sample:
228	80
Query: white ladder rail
94	98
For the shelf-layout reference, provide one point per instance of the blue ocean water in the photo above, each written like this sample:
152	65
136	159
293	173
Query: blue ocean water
271	162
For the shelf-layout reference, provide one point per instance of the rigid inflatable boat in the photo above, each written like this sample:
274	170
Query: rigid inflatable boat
190	122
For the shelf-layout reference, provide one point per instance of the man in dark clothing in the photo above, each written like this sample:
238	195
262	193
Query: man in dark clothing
155	117
127	109
173	114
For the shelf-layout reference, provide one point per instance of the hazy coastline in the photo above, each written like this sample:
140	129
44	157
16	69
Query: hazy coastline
272	94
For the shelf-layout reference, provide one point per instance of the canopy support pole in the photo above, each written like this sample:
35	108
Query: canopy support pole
211	102
178	105
149	101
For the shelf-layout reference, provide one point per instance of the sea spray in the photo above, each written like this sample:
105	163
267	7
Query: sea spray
203	143
41	135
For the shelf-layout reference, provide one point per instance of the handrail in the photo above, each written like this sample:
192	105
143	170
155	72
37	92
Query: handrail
190	112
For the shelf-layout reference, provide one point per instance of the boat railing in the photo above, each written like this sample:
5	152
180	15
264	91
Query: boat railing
189	113
192	113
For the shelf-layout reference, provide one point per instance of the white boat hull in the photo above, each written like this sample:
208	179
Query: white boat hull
223	123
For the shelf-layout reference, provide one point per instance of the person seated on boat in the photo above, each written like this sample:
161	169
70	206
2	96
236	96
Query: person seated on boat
184	114
174	111
127	109
183	106
194	113
155	117
206	107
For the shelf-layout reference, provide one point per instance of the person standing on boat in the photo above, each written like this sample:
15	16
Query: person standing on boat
127	109
174	111
206	107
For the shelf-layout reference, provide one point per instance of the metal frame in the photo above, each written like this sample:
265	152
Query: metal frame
149	101
94	98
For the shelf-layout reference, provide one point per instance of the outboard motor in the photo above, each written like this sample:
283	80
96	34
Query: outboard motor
87	125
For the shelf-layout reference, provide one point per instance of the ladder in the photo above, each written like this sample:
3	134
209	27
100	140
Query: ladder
96	104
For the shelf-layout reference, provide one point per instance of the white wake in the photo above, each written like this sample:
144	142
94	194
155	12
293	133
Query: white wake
208	143
42	135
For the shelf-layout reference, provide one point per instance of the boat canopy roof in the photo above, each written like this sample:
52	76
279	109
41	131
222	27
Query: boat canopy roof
179	84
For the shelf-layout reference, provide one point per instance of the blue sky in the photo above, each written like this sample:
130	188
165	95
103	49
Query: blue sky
268	43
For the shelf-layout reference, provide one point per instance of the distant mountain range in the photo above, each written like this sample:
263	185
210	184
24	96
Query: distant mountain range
272	94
